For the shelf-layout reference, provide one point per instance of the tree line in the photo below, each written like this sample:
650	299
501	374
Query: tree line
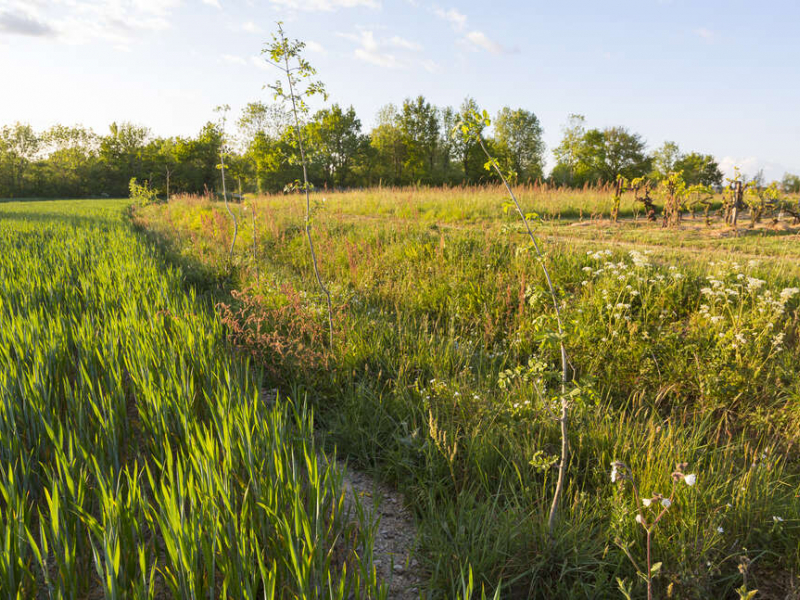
410	144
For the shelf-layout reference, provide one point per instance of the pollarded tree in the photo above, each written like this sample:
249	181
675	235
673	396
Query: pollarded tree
518	135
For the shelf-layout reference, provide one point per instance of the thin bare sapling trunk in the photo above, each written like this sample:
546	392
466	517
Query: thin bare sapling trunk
562	419
471	125
227	206
255	243
224	110
281	51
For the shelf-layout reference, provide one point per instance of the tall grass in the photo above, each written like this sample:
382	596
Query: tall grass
446	336
137	455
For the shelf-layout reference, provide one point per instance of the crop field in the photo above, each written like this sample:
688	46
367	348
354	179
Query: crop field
138	458
443	377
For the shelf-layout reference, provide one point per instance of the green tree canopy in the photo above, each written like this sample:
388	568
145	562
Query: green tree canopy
518	135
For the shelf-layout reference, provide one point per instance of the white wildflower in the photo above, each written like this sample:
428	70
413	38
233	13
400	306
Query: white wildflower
690	479
666	503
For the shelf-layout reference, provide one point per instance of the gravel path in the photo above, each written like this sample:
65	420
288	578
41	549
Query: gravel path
395	538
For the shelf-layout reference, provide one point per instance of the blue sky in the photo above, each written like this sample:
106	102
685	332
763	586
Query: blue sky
716	76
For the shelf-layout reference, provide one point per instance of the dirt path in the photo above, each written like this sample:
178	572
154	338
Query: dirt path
396	534
681	245
395	539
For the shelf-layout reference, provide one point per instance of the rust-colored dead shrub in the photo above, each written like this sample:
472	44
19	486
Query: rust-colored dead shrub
278	331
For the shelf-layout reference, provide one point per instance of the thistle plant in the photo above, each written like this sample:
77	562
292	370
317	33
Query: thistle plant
287	55
649	512
470	127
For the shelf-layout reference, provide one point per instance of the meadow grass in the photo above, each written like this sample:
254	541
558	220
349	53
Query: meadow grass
138	456
444	373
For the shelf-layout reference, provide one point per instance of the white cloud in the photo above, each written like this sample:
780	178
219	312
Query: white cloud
237	60
324	5
315	47
456	19
214	3
117	22
707	34
374	51
399	42
251	27
481	40
259	62
430	66
18	23
387	61
749	166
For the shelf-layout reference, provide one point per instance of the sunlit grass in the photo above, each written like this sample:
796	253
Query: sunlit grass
445	333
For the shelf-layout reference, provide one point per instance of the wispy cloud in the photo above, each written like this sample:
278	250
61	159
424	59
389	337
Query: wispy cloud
376	52
24	24
430	66
258	61
315	47
214	3
456	19
749	166
399	42
324	5
251	27
236	60
478	39
707	34
82	21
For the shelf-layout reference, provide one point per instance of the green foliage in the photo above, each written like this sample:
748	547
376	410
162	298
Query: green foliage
138	456
689	360
141	193
790	184
595	156
699	169
518	136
